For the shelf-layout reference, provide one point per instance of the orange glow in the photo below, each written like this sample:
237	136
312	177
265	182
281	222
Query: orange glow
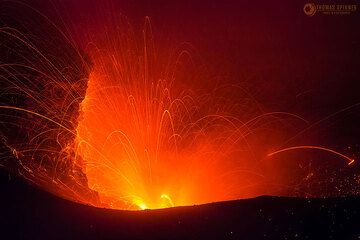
144	142
139	151
112	118
147	137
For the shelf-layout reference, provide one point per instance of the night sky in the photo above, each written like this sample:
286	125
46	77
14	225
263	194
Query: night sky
242	58
274	57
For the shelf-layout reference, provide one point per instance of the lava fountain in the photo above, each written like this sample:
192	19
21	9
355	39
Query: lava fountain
144	144
140	138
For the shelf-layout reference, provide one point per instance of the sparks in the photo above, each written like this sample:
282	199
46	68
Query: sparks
350	160
126	128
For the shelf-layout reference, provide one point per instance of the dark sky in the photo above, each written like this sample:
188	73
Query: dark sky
287	60
273	46
290	61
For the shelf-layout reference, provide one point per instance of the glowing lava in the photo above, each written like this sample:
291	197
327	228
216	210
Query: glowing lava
146	136
145	143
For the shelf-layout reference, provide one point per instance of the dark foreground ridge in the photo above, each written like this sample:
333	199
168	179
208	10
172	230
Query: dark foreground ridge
30	213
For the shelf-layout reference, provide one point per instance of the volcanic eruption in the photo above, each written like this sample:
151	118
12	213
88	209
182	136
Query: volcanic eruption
116	124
